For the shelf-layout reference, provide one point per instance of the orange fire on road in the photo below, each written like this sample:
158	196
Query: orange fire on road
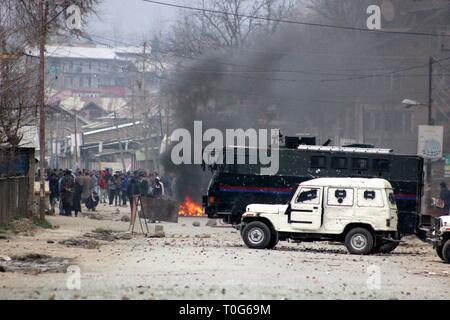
190	208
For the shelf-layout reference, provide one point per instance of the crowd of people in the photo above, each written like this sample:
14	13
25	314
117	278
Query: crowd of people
91	187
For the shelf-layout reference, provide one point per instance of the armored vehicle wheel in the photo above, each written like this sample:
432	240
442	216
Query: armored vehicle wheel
359	241
386	247
439	252
257	235
446	251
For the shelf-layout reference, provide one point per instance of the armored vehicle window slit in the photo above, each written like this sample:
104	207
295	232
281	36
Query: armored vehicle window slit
338	163
318	162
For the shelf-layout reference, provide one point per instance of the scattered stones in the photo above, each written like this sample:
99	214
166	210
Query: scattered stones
108	235
196	224
50	241
203	236
4	258
81	243
23	226
211	223
125	218
100	236
95	216
159	232
124	236
35	264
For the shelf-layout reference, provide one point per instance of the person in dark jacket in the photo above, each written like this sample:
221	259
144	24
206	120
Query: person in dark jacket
143	185
445	197
78	191
133	189
54	190
158	188
124	189
67	190
111	189
92	201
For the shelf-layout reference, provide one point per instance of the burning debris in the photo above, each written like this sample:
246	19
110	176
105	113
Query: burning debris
190	208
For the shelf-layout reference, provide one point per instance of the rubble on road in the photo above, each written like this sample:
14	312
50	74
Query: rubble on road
4	258
35	264
81	243
108	235
211	223
159	232
23	226
196	224
125	218
203	236
95	216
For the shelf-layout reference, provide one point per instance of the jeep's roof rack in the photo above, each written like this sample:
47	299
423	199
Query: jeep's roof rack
346	149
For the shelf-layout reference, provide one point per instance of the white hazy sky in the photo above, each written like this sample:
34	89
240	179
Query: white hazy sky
133	18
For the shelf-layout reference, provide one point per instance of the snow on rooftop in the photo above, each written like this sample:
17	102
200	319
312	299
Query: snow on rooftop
88	52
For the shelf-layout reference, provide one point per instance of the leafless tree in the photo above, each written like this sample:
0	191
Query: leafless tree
18	69
232	24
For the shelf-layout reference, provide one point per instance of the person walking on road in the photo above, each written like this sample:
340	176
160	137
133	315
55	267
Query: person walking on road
445	197
78	190
67	190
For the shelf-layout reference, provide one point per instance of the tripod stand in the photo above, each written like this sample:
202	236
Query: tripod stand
136	203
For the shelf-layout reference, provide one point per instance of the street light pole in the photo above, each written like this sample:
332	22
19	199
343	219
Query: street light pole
430	123
430	91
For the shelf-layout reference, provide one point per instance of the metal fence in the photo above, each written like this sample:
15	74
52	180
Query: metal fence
14	193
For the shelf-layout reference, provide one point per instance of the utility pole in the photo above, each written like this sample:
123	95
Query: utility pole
124	169
144	105
41	102
76	140
430	122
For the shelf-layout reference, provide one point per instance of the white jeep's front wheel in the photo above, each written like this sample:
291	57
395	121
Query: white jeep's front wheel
256	235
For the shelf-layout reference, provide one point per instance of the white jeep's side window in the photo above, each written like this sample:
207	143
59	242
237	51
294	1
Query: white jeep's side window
308	196
340	197
370	198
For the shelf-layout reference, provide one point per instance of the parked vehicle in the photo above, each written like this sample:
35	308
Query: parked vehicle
442	238
360	212
234	186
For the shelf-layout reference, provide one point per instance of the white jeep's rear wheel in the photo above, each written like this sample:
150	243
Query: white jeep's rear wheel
359	241
256	235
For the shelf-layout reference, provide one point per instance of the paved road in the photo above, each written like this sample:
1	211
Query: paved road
212	263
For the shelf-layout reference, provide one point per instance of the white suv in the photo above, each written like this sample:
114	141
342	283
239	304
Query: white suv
442	243
361	213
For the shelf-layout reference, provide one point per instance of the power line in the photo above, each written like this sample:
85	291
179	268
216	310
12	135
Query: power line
295	22
387	73
352	76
